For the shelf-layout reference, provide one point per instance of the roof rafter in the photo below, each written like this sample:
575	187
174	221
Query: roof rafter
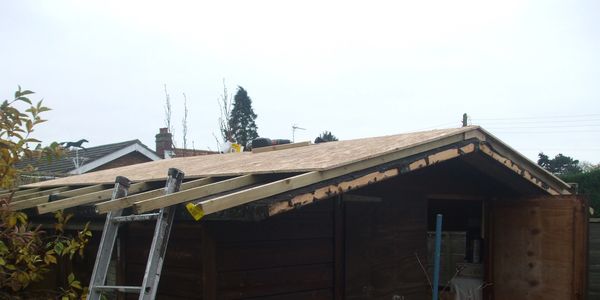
98	196
128	201
19	192
40	193
33	202
195	193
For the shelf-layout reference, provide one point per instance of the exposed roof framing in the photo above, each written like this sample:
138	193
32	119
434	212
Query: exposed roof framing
33	202
93	197
345	171
39	193
128	201
19	192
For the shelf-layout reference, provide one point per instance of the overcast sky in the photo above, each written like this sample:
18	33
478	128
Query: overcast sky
528	71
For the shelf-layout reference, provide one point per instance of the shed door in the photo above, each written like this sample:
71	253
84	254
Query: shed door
539	248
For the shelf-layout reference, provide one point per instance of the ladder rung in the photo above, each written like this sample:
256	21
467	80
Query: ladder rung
118	288
133	218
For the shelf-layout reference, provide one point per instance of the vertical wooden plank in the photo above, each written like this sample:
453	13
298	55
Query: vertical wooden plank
488	249
209	266
580	246
594	259
382	240
338	243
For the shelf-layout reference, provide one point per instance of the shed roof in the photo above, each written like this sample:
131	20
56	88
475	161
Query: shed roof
346	165
302	159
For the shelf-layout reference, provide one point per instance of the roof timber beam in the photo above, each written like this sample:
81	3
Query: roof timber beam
33	202
200	208
196	193
20	192
128	201
93	197
40	193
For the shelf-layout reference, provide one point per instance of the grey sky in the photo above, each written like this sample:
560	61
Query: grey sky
356	69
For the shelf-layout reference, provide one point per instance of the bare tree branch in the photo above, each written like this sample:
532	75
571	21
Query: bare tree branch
185	121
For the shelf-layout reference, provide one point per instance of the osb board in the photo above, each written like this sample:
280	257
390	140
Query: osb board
302	159
538	248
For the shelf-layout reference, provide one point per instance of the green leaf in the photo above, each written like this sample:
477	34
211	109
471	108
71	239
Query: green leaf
3	248
76	284
24	99
58	248
71	278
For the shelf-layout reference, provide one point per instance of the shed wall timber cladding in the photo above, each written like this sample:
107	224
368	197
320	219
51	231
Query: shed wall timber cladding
594	260
310	158
382	241
284	257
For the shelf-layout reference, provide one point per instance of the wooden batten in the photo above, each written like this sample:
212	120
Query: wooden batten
29	203
102	195
128	201
39	193
280	147
32	202
19	192
195	193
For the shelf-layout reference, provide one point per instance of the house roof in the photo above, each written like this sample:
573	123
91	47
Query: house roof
228	180
90	158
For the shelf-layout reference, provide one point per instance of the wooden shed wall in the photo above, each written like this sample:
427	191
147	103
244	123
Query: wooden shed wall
296	255
594	260
383	240
285	257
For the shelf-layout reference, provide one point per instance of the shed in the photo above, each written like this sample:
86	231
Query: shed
346	220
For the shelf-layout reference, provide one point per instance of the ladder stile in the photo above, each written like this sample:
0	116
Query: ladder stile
160	239
107	242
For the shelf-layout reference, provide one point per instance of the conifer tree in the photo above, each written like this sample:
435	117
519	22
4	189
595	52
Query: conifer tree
242	120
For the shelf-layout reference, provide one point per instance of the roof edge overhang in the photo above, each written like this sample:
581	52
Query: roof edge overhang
525	163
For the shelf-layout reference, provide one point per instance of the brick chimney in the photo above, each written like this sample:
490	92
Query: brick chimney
164	141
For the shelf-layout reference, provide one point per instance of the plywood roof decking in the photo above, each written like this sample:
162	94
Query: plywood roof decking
303	159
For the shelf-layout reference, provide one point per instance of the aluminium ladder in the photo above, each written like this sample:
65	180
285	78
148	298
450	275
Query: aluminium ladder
164	221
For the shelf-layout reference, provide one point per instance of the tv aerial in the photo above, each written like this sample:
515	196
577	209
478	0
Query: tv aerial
294	128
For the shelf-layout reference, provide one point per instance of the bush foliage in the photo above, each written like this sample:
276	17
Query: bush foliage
27	253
